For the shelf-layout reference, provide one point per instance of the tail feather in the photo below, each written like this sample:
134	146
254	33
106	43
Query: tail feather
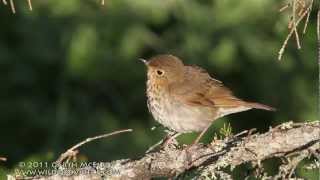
261	106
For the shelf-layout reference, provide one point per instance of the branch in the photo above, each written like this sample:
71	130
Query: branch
284	140
72	152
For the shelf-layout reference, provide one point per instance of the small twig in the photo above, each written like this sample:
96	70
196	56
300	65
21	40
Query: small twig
102	2
297	39
306	22
30	5
12	7
284	7
3	159
295	25
241	133
252	152
284	45
301	3
165	142
251	131
72	151
294	163
318	39
308	15
318	27
4	2
155	145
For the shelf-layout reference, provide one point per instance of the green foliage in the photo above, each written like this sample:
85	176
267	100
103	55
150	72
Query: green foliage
226	130
70	70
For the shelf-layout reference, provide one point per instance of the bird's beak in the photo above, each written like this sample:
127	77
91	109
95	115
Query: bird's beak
144	61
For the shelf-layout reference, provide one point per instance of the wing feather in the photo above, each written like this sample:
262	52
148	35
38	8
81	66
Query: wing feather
200	89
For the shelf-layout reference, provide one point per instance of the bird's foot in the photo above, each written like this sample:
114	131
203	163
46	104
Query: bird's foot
166	142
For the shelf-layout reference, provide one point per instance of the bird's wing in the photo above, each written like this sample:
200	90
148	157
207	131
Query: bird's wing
198	88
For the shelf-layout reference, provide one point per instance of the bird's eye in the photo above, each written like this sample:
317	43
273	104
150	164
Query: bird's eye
160	73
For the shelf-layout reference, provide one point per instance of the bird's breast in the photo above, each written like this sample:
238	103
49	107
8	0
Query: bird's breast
175	115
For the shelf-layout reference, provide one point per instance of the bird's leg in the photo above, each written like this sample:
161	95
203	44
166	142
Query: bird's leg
169	138
188	155
201	134
165	141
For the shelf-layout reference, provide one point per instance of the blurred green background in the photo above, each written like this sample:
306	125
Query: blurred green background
70	70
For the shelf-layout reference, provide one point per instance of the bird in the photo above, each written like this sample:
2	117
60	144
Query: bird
185	98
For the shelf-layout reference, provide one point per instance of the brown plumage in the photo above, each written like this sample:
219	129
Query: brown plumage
186	98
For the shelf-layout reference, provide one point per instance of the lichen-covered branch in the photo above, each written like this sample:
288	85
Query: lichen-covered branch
286	140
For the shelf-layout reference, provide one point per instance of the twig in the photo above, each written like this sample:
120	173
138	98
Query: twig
72	151
3	159
284	45
318	38
307	20
295	161
241	133
30	5
294	24
12	7
318	28
4	2
284	7
164	142
102	2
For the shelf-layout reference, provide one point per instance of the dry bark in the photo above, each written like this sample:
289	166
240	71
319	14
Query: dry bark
289	139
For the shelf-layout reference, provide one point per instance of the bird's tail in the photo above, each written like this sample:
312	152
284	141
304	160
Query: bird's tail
260	106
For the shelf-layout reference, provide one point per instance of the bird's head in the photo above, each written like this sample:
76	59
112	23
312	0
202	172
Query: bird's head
164	69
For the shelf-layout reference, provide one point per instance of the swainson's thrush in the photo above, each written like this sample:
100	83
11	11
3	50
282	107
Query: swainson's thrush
186	98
